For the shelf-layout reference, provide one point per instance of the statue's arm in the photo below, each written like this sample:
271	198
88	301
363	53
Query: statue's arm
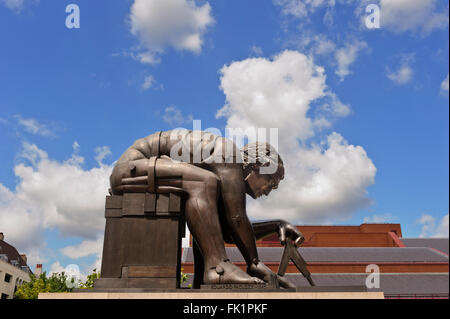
237	224
280	227
267	228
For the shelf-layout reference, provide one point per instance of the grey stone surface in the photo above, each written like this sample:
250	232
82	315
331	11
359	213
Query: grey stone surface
341	254
440	244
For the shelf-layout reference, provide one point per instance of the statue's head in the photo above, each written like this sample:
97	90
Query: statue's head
263	168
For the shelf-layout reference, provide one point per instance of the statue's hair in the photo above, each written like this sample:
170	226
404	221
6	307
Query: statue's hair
255	155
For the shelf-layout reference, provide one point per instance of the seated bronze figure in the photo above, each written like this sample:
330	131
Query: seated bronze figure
215	184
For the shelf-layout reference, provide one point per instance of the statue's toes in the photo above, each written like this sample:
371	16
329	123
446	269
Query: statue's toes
227	273
238	278
258	281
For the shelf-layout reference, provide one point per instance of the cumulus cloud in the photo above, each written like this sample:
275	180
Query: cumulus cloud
174	116
20	223
18	6
280	100
323	181
301	8
317	44
256	51
15	5
378	219
85	248
444	85
340	50
346	56
69	197
402	75
340	54
404	72
56	267
53	195
101	153
33	126
188	23
413	15
148	82
430	229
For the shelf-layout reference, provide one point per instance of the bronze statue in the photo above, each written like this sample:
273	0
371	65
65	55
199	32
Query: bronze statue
215	176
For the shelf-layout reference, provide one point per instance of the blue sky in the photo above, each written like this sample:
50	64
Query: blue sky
72	100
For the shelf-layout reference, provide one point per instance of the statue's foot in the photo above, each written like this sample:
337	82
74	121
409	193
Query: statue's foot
260	270
227	273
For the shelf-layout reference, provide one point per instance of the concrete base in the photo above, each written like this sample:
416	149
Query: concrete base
213	295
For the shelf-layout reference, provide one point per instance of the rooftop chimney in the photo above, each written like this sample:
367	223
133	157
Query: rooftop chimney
24	258
38	270
2	237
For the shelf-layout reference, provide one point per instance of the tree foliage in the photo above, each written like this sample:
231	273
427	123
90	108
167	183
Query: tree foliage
57	282
89	283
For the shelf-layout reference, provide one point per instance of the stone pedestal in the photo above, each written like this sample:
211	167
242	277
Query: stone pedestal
142	244
197	294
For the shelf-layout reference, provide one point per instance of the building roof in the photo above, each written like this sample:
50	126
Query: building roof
393	285
390	284
11	254
340	254
440	244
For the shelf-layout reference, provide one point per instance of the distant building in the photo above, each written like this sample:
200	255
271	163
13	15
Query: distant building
340	256
13	269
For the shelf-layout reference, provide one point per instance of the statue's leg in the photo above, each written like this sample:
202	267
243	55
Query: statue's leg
199	267
202	188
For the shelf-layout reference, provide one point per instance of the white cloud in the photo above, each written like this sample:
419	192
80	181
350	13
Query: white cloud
15	5
33	126
340	56
316	44
53	195
323	182
280	100
148	82
174	116
429	228
20	223
378	219
346	56
85	248
101	153
335	106
323	46
402	75
18	6
344	49
413	15
56	267
158	24
255	50
442	229
404	72
444	85
67	196
300	8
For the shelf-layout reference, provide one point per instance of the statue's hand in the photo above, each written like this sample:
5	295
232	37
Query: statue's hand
263	272
286	230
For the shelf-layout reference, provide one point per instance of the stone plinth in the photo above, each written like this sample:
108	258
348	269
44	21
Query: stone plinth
214	295
142	245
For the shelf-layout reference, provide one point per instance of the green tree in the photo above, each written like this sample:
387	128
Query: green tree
89	283
184	278
57	282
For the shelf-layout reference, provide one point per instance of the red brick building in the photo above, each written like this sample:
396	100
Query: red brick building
339	255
